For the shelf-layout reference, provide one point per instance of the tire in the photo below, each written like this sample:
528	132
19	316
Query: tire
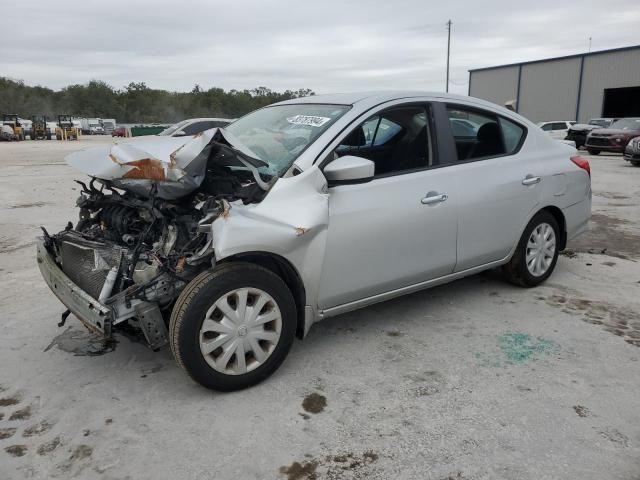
635	163
200	300
517	271
593	152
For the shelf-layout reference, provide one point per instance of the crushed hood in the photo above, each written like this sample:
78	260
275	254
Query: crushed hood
177	165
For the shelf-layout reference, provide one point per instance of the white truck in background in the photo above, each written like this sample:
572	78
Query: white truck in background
91	126
96	126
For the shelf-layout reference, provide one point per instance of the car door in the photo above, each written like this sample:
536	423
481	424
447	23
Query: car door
497	185
399	229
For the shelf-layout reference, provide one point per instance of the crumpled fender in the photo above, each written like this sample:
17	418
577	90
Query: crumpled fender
291	221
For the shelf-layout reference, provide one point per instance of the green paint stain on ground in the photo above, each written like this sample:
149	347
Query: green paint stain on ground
522	347
517	348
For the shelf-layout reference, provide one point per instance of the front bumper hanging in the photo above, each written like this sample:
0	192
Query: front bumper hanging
96	316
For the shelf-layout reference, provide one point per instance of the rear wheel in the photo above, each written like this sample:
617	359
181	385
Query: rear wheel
635	163
593	152
233	326
537	252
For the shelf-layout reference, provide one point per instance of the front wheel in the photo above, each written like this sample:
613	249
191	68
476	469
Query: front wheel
593	151
233	326
537	252
635	163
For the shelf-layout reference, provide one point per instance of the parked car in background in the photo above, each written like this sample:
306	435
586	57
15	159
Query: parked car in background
614	138
556	129
193	126
579	131
632	152
119	132
7	133
304	210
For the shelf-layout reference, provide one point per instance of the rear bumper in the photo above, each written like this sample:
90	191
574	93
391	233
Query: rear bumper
577	218
93	314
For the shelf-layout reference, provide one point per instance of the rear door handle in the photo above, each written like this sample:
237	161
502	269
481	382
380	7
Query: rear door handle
531	180
433	197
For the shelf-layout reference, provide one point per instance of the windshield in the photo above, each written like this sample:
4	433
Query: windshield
626	124
599	122
278	135
173	128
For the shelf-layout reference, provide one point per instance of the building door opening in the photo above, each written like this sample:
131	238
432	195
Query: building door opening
621	102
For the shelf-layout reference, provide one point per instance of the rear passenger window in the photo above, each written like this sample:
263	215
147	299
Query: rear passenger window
513	134
476	134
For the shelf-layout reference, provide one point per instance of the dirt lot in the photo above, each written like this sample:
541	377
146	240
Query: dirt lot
472	380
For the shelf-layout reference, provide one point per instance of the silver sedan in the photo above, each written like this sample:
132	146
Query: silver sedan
316	206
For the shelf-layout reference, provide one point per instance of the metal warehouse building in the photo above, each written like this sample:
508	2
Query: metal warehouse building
575	87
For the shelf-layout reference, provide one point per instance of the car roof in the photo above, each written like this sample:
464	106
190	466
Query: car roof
353	98
362	101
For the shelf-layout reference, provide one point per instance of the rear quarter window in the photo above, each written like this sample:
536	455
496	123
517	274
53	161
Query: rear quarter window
513	135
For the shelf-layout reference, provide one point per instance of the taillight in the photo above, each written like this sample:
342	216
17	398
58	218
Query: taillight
583	163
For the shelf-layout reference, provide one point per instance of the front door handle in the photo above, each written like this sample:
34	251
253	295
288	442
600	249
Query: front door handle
531	180
433	197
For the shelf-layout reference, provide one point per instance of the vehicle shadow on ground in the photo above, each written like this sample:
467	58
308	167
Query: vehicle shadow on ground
401	313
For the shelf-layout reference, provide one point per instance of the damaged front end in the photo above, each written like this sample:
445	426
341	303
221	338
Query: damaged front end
145	228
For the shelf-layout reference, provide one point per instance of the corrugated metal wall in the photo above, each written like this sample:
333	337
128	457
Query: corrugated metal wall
498	85
611	70
549	90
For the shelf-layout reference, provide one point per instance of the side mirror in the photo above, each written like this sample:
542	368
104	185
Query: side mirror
180	133
349	169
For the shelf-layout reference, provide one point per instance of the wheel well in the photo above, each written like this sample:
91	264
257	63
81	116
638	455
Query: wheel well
287	272
559	216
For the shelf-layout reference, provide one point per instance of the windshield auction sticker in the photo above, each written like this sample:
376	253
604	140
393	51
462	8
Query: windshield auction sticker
311	120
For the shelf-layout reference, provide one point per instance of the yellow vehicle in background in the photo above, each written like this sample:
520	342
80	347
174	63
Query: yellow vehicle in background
39	129
12	120
65	129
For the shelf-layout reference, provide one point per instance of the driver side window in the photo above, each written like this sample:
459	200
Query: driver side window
396	140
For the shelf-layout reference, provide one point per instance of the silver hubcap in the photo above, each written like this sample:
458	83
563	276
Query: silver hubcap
541	248
240	331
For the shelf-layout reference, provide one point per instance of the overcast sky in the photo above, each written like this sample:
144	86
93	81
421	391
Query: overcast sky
326	45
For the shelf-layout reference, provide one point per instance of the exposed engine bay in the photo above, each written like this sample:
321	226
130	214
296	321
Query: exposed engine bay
142	236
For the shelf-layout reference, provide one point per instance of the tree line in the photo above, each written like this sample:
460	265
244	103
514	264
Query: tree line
135	103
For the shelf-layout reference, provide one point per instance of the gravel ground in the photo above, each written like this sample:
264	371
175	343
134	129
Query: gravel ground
472	380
